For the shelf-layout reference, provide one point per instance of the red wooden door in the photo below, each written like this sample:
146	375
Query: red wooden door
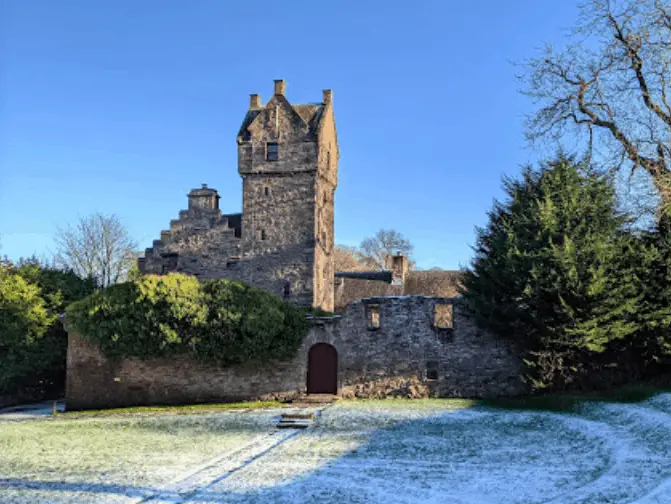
322	369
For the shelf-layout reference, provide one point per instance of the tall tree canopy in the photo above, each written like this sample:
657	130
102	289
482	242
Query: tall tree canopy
612	87
547	273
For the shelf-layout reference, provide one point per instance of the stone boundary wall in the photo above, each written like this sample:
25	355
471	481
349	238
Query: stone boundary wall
406	356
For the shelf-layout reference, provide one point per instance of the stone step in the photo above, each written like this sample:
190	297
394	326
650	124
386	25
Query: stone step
316	399
298	416
296	420
293	424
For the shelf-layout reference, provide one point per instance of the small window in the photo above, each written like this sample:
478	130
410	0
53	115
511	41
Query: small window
266	191
442	316
431	370
272	151
261	234
287	289
373	316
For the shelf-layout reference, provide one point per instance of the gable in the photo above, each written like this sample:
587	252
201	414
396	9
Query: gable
278	118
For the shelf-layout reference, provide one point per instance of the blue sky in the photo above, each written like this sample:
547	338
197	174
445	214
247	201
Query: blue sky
123	106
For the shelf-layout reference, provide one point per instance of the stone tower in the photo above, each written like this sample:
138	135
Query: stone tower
288	161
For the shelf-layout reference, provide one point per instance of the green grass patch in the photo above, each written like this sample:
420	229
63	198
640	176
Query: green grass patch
406	403
189	408
571	402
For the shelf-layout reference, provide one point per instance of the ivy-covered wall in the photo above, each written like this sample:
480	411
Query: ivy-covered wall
217	321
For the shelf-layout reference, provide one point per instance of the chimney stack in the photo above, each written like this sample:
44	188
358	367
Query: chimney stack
398	265
280	87
254	101
328	96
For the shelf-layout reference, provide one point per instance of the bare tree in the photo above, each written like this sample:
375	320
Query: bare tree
610	86
386	241
98	246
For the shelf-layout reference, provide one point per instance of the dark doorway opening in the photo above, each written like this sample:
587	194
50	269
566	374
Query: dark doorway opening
322	369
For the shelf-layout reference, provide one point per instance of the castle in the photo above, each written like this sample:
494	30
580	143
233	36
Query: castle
283	241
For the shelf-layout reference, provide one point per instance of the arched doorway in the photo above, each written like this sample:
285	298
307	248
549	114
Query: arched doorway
322	369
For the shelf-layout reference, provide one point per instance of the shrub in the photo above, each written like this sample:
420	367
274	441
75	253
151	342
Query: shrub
33	342
24	321
219	322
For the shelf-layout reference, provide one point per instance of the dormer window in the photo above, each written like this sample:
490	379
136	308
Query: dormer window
272	151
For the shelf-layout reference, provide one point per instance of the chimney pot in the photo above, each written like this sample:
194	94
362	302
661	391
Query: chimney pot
280	87
254	101
328	95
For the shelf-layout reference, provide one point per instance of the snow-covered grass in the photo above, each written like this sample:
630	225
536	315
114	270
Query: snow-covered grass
390	451
111	458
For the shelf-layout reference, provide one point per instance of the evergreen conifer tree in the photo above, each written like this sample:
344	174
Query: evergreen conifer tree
547	271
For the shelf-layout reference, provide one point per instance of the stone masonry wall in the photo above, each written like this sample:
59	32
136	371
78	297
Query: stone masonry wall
283	239
392	360
388	361
326	183
288	197
278	233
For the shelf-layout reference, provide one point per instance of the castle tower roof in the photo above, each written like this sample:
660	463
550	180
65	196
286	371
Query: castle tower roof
310	113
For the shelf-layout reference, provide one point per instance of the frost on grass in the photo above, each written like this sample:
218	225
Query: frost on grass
110	459
362	452
402	452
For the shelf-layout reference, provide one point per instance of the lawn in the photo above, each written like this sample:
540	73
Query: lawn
394	451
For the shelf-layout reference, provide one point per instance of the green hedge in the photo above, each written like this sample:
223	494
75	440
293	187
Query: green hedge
33	342
220	322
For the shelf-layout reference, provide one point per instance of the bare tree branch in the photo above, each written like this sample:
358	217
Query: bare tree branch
610	87
99	247
374	250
